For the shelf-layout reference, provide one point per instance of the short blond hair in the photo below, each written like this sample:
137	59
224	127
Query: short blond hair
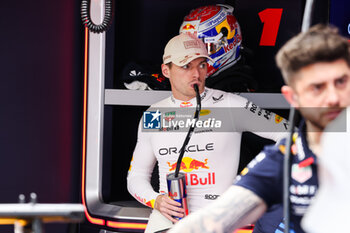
321	43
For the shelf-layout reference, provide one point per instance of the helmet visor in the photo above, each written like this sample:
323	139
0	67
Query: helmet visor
214	44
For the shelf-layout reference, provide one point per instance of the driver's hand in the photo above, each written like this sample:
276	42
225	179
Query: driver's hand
169	208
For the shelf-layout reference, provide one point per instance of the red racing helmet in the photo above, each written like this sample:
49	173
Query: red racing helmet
218	28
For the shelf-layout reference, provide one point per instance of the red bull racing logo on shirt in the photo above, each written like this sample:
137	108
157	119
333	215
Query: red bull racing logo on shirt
200	179
189	164
186	104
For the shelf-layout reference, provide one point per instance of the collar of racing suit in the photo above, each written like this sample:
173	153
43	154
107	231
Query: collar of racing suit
190	103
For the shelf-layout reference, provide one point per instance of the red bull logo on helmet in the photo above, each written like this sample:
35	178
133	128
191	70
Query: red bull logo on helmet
188	26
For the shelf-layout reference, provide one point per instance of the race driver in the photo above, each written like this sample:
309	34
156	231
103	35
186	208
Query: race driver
212	155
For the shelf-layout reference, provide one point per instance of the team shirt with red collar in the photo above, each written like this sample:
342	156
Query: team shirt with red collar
211	158
264	177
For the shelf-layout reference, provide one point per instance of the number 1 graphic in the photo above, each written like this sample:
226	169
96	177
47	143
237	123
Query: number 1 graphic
271	18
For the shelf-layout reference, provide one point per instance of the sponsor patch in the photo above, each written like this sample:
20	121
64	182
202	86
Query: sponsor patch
211	196
186	104
301	174
204	112
278	119
217	99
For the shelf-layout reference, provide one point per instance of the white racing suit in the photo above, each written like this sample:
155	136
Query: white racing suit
211	157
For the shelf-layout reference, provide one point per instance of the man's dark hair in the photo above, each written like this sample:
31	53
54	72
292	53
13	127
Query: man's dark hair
321	43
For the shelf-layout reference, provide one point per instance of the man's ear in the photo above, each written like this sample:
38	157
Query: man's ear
165	70
290	95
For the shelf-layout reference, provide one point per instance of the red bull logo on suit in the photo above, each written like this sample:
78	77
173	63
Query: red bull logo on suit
199	179
188	165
